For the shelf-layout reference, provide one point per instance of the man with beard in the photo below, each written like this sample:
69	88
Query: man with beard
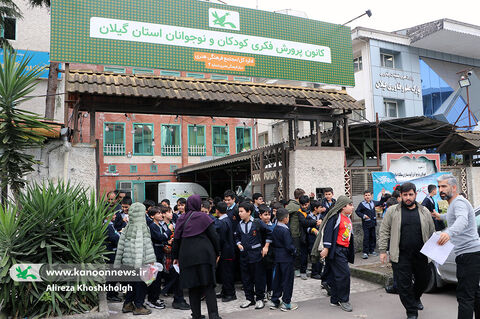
407	226
462	231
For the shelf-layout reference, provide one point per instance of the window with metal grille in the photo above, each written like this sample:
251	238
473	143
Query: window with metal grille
171	140
142	139
196	140
113	139
221	145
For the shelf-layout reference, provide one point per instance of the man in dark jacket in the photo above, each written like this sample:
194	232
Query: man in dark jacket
227	253
429	203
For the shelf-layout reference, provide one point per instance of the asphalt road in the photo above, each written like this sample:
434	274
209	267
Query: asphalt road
370	304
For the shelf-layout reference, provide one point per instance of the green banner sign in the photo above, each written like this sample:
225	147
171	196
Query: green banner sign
193	35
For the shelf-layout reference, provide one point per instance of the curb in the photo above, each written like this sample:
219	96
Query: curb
371	276
100	313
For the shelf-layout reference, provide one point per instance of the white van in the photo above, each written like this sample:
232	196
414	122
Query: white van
175	190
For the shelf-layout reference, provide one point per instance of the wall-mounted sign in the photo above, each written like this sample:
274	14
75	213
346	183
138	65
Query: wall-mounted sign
406	167
397	86
200	36
37	58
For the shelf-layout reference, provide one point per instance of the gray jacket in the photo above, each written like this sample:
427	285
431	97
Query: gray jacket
392	225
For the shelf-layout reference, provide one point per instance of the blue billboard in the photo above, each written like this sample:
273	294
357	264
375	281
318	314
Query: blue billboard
38	58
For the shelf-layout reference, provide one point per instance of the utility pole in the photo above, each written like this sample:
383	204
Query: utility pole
52	86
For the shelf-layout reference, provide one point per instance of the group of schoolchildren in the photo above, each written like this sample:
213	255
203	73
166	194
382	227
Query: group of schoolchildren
268	245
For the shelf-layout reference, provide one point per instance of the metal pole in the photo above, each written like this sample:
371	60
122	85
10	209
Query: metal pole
378	140
469	112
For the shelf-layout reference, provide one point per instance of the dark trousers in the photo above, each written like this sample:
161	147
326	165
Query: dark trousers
303	258
111	284
411	265
468	291
173	284
327	273
195	296
369	238
136	294
153	290
340	283
253	280
296	243
283	282
227	276
317	268
269	277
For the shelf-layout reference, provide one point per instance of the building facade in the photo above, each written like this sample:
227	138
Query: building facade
416	72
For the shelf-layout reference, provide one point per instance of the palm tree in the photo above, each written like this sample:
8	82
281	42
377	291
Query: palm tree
17	126
40	3
8	9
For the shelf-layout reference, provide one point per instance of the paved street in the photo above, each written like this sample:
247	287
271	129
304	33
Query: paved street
369	301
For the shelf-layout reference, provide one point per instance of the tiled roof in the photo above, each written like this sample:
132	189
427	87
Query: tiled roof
162	87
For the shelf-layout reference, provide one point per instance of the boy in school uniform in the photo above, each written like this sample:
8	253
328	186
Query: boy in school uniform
316	215
339	250
172	278
121	219
249	236
180	208
269	259
285	252
227	253
148	204
328	201
159	238
305	224
366	211
429	203
257	199
112	242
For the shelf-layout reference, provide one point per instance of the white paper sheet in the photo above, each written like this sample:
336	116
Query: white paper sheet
177	269
436	252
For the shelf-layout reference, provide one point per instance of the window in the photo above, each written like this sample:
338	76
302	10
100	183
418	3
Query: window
391	109
114	69
173	168
10	30
113	139
142	139
357	64
243	138
219	77
142	71
263	139
133	169
153	168
112	168
196	140
170	73
221	146
387	60
195	75
171	140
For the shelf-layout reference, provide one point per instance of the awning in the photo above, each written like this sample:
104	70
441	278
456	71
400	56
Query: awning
461	142
399	135
167	95
448	36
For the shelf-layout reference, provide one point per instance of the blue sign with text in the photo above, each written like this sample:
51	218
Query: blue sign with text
38	58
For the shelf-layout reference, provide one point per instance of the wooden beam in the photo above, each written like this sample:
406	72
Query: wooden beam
92	126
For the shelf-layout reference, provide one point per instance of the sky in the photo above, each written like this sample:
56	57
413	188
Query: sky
386	15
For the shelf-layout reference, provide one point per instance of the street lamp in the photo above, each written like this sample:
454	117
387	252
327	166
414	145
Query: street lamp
368	13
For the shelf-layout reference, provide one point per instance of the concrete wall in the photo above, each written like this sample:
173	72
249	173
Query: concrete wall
473	176
313	168
59	160
33	34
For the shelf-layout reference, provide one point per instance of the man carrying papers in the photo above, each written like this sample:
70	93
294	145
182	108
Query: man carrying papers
407	226
462	232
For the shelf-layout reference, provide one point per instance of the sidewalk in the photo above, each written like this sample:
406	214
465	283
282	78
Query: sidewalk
304	290
371	269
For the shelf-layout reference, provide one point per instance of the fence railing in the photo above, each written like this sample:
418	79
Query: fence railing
171	150
114	149
220	150
197	150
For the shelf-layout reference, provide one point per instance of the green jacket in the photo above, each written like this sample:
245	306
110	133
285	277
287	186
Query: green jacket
391	228
293	206
135	245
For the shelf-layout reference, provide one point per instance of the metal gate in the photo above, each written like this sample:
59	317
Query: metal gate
269	167
359	179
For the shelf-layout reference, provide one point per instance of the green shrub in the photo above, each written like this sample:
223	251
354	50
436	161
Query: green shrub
49	224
